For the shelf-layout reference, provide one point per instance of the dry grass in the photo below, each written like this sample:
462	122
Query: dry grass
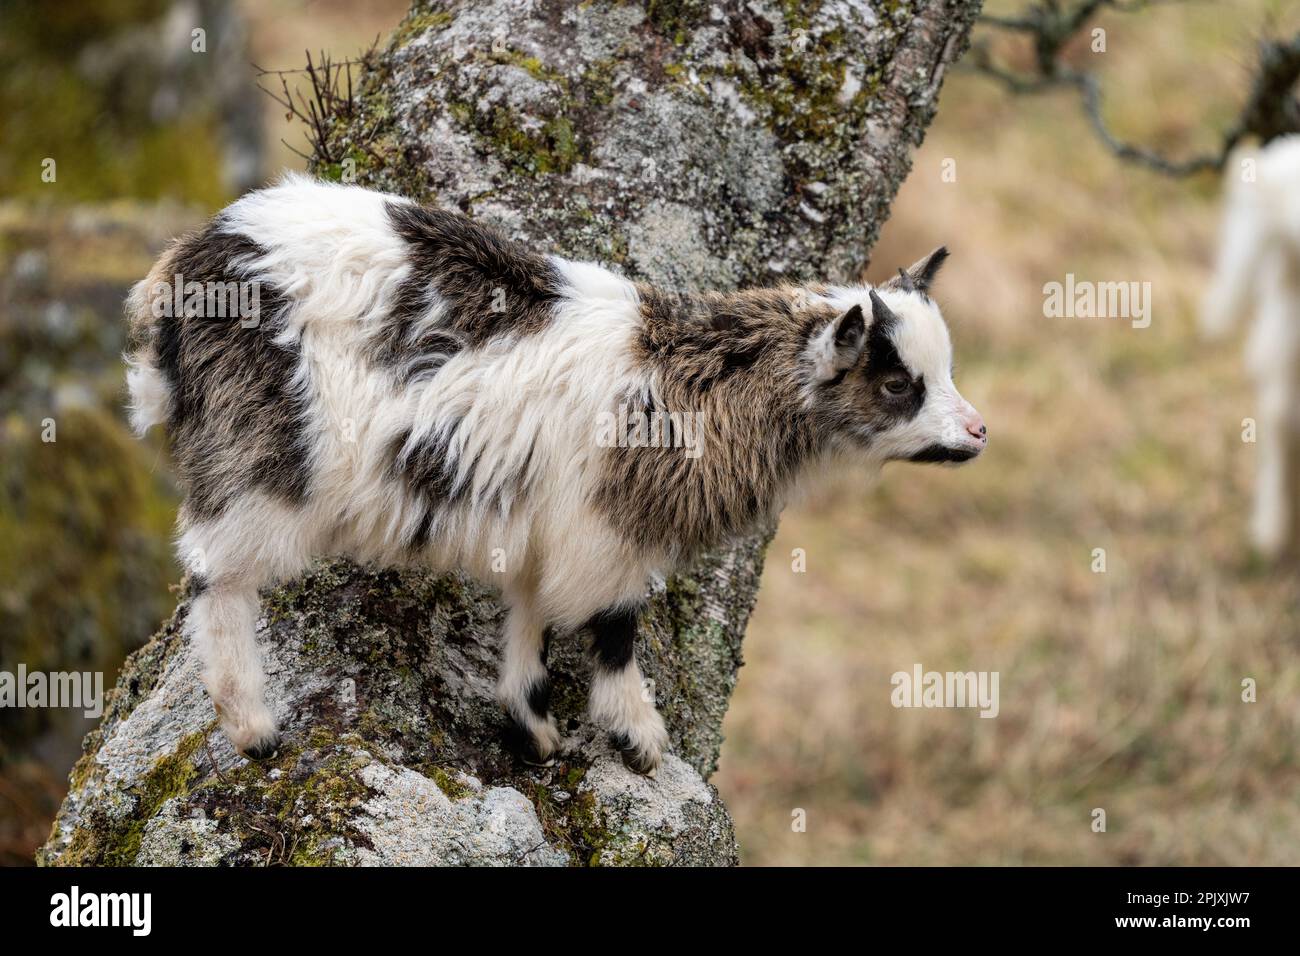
1118	690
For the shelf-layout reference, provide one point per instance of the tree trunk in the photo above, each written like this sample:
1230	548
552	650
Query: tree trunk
693	144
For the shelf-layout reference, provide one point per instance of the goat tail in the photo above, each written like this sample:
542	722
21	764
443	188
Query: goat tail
149	392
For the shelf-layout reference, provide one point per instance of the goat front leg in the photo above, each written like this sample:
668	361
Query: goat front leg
620	700
524	687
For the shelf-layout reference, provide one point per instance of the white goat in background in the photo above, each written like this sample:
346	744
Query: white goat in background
1259	269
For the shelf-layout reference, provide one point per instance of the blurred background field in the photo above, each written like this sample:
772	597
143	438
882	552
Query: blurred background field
1119	690
147	146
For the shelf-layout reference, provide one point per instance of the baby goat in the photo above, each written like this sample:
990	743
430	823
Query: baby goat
1259	268
409	386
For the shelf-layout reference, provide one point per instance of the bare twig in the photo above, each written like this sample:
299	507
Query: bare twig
329	97
294	149
207	749
1091	90
527	853
265	72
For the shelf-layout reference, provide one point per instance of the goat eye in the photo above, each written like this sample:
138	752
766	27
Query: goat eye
896	386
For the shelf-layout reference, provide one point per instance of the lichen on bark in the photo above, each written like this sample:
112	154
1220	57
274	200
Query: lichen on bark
692	144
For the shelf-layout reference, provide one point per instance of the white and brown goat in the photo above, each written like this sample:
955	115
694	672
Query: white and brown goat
412	387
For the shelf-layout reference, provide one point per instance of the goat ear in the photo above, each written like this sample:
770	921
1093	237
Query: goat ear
839	345
921	274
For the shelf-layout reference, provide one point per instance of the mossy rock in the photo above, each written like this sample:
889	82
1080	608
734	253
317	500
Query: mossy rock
392	755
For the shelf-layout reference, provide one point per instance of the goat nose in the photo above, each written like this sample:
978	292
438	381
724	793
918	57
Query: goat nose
976	429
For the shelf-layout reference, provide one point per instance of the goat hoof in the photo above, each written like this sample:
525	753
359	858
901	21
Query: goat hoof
530	749
642	760
263	749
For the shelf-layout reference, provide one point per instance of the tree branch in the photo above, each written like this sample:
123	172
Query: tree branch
1271	108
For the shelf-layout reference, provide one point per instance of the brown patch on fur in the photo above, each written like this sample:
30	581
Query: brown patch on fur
139	314
234	421
734	361
491	286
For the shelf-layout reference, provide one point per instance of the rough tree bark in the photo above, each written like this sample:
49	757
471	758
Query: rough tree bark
694	144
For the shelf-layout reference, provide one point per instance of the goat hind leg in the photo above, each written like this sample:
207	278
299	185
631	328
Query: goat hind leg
222	622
